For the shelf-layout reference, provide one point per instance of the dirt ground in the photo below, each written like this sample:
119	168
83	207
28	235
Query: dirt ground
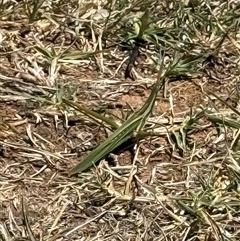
41	140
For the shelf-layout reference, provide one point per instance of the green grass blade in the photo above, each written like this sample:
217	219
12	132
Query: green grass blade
90	113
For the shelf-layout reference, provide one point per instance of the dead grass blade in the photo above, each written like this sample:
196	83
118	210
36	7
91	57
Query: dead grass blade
26	222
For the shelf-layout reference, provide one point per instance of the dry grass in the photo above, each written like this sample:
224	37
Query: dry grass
179	183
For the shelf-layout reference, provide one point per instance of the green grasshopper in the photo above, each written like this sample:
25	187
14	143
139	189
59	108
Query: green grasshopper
135	122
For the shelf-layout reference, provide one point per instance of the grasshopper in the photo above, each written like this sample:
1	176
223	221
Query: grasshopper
133	124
